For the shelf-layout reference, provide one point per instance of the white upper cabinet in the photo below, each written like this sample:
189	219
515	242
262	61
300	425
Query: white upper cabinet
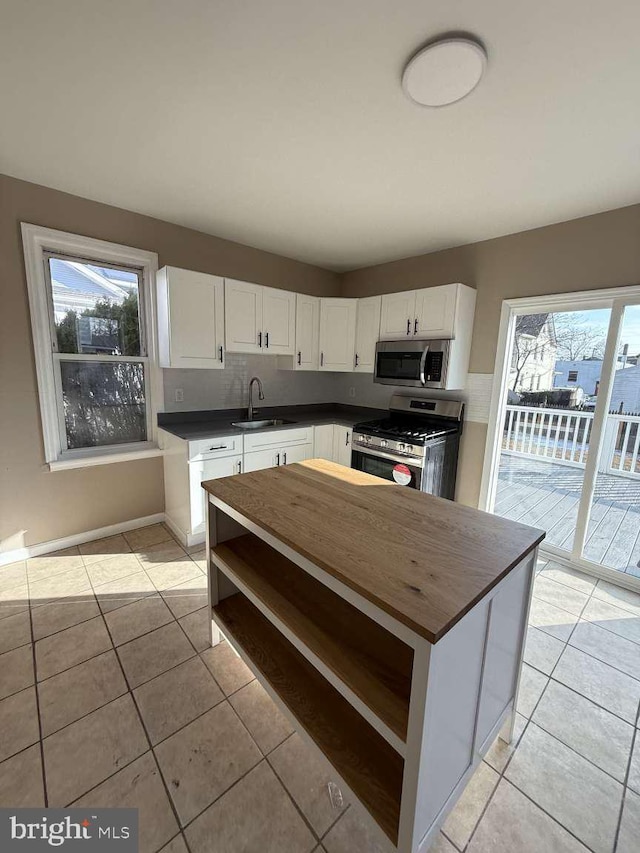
435	311
431	312
278	321
337	334
243	316
307	332
398	315
190	319
367	331
259	319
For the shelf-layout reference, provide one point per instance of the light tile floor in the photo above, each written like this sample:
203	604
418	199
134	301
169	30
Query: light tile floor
110	695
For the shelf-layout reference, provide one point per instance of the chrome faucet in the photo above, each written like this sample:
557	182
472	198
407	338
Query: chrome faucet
260	395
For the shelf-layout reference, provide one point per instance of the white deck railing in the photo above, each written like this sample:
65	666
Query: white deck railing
562	436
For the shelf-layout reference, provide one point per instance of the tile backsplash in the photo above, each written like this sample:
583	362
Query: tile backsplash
228	388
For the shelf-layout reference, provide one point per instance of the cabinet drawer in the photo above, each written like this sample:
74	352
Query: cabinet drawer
278	438
210	448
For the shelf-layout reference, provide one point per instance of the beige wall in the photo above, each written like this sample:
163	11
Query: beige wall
583	254
36	505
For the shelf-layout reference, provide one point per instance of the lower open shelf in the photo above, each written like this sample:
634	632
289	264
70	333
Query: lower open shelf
366	762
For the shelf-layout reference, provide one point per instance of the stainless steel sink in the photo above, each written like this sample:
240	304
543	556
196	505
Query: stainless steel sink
260	424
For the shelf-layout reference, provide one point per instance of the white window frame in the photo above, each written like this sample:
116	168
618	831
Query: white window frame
38	241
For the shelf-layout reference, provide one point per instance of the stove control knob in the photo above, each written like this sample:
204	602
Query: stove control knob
384	442
360	438
402	447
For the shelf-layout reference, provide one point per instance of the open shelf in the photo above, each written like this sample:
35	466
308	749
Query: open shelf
371	662
367	763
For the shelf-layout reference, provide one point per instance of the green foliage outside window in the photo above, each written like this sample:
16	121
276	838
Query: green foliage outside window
124	313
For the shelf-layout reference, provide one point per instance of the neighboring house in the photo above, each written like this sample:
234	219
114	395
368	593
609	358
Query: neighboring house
585	374
579	373
625	396
77	287
534	353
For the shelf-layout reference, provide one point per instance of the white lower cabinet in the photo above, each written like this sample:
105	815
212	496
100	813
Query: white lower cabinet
342	445
207	469
186	464
333	442
323	442
281	453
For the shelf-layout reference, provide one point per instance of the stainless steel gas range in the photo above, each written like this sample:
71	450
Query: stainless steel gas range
416	446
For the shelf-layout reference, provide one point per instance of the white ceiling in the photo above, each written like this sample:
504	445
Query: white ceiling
282	124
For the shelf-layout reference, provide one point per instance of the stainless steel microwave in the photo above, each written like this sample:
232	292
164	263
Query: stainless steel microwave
420	364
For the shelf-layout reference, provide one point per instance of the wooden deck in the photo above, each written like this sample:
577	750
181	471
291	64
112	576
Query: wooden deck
546	495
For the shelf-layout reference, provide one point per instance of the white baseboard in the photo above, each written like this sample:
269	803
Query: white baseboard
188	540
17	554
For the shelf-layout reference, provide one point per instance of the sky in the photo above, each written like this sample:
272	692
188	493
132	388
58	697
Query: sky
598	320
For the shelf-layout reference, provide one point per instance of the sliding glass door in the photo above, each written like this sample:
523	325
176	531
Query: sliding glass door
566	456
612	531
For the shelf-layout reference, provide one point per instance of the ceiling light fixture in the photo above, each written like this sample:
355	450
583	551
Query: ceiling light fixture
444	71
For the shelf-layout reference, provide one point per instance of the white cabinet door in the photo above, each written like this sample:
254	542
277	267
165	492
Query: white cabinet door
435	311
398	315
259	459
208	469
342	445
296	454
278	321
323	442
190	319
367	331
243	316
307	332
337	334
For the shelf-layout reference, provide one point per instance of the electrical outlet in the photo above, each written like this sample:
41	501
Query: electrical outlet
179	395
352	391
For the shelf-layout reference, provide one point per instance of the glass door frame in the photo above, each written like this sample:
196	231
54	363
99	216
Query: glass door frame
616	299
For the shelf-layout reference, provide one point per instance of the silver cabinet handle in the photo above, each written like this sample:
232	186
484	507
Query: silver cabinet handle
221	356
299	357
266	340
415	326
239	464
408	326
277	458
284	457
260	339
321	359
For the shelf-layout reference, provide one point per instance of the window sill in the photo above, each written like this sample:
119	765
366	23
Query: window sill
104	459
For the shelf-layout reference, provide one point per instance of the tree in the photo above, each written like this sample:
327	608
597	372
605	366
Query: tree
527	343
578	338
125	313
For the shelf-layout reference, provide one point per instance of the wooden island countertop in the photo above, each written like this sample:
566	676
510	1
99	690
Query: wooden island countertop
424	560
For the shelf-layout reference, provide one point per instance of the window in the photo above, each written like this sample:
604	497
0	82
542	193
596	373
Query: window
91	309
573	376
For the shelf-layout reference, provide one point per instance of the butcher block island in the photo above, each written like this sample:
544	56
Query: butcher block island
388	624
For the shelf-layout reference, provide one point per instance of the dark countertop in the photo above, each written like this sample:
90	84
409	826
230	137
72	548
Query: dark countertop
214	422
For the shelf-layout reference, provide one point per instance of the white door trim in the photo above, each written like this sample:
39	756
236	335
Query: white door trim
512	308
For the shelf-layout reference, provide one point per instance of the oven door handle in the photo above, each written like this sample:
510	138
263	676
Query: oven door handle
423	364
415	461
